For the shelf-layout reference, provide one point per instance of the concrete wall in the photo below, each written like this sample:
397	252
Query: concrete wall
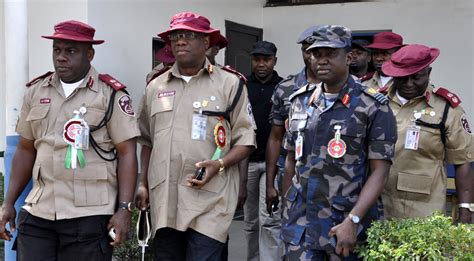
128	28
447	25
2	86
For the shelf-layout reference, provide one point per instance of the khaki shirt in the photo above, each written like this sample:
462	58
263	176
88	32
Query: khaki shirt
417	182
376	83
60	193
165	122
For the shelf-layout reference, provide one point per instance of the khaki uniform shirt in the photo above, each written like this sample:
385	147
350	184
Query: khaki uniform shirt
60	193
376	83
417	182
165	122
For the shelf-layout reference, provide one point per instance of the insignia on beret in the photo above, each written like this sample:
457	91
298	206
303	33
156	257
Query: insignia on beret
112	82
465	124
234	71
452	98
35	80
125	105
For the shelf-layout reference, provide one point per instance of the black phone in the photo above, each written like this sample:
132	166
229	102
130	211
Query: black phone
199	173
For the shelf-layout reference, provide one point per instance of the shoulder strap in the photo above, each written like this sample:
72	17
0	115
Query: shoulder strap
228	68
226	114
441	125
452	98
112	82
374	94
35	80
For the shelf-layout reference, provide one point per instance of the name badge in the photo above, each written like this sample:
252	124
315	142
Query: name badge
199	128
412	138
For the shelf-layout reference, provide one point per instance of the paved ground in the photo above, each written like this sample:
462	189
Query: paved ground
237	241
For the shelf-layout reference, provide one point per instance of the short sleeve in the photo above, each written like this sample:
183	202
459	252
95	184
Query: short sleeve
123	124
276	116
382	133
459	142
144	123
23	126
289	138
242	121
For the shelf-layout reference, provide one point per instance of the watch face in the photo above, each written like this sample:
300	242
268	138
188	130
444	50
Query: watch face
355	219
131	205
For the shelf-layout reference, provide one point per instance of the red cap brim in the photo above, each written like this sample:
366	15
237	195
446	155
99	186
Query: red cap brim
72	38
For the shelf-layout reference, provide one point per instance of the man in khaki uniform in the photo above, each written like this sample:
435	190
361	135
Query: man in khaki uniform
383	46
73	202
432	130
184	127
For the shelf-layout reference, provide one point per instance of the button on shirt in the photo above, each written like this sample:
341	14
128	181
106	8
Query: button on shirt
60	193
327	188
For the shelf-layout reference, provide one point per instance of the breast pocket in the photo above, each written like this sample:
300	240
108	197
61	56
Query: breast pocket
37	119
354	138
162	112
90	185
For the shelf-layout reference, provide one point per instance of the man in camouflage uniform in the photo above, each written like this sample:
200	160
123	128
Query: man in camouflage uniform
433	130
340	144
384	45
275	154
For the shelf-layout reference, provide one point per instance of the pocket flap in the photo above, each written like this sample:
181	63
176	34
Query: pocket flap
414	183
157	178
93	116
38	112
95	171
162	104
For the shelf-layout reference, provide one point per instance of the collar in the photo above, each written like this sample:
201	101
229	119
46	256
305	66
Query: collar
301	79
427	96
345	93
207	69
90	81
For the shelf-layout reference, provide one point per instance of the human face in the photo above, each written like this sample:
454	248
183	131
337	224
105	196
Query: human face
72	60
380	56
262	66
331	65
360	58
414	85
306	54
189	49
212	52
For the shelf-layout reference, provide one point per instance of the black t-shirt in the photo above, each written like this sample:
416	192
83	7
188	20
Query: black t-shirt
260	96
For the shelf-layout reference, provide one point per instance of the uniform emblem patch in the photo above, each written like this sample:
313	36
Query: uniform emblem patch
166	94
125	104
45	100
465	124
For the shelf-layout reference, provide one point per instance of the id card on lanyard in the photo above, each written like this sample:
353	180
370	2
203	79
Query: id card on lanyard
412	137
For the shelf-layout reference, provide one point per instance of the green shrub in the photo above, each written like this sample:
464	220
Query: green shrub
430	238
130	250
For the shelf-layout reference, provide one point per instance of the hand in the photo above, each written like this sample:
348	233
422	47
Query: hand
345	233
7	215
121	222
271	198
212	168
242	195
142	197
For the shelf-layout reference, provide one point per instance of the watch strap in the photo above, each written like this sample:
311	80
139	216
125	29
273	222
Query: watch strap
469	206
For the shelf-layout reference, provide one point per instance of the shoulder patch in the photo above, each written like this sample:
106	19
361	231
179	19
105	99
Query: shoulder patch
382	99
35	80
112	82
125	105
452	98
366	77
234	71
158	73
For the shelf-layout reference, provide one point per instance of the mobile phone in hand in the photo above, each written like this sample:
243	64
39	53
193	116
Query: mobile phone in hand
333	239
199	173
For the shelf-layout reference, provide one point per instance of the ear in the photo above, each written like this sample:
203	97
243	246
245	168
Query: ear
207	41
90	54
275	61
348	58
370	58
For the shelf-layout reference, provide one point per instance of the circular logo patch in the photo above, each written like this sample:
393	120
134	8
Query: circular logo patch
70	131
336	148
465	124
125	105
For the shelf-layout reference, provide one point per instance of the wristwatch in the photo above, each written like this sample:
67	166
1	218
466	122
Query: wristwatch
130	206
222	167
355	219
469	206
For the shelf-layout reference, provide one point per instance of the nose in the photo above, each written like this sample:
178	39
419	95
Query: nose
61	57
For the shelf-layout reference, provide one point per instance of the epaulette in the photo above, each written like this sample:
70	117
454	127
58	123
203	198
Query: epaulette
35	80
375	94
452	98
158	73
298	92
366	77
109	80
234	71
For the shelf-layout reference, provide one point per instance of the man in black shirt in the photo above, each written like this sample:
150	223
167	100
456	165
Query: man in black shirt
261	85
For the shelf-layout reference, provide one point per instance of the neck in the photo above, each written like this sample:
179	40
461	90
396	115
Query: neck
310	76
191	70
264	80
359	71
336	86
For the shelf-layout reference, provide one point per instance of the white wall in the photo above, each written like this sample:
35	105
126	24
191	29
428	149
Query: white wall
42	16
447	25
2	86
128	28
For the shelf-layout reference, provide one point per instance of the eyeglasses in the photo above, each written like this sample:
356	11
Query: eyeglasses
183	35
